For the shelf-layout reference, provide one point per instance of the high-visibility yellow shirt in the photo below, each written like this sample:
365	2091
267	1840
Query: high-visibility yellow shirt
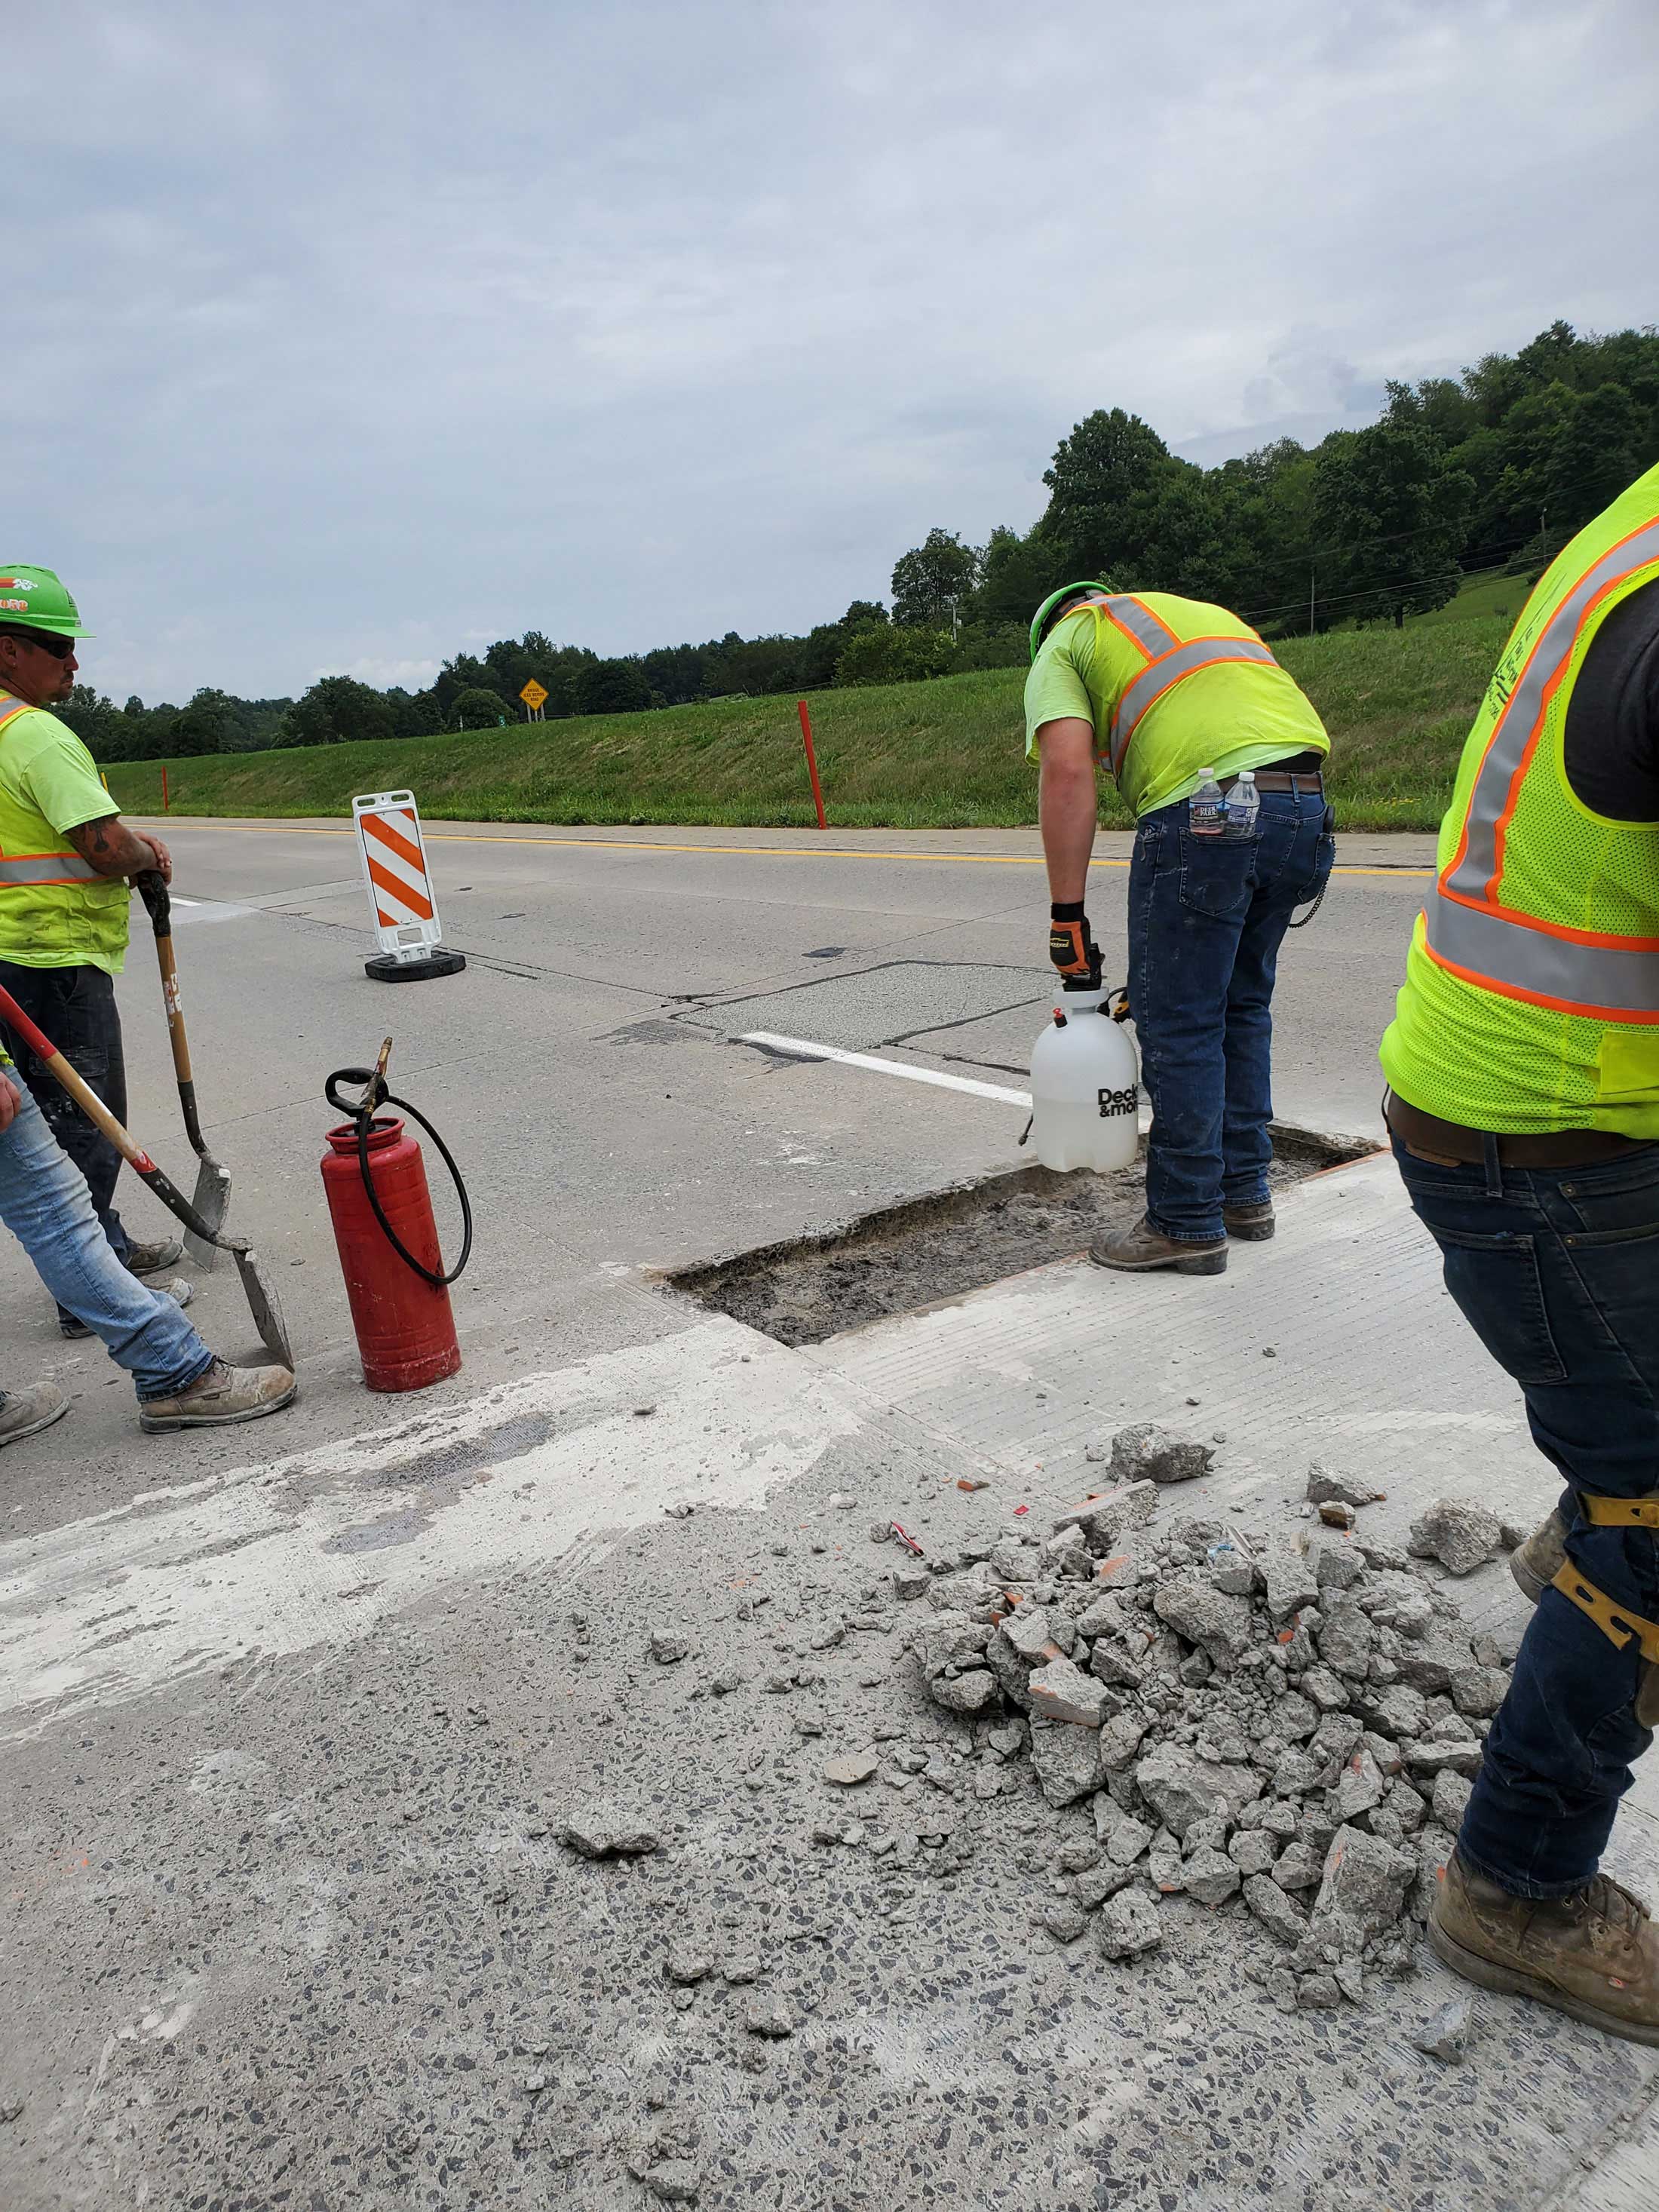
56	911
1172	686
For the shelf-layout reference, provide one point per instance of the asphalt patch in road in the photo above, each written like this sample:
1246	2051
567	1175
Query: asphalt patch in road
931	1250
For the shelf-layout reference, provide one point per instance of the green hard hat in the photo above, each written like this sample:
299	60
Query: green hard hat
34	597
1045	613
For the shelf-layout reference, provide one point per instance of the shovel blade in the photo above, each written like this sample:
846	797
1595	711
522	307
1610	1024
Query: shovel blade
265	1306
212	1202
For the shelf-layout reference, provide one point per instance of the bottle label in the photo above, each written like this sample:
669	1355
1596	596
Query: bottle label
1113	1103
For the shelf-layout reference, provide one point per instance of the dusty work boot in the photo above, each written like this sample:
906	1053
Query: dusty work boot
25	1413
180	1292
225	1394
1594	1954
1249	1225
1536	1563
149	1259
1143	1248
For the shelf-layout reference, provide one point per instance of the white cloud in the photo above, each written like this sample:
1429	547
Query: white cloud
373	331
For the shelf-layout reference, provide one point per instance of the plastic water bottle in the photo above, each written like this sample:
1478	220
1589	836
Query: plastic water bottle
1243	805
1206	809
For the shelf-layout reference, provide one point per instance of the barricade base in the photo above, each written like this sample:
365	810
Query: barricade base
436	960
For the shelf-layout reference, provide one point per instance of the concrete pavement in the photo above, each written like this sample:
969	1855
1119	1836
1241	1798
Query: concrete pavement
292	1714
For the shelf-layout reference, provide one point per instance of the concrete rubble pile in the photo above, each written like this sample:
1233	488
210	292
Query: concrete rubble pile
1283	1726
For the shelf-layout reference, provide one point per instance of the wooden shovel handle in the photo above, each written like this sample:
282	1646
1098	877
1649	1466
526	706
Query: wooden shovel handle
82	1092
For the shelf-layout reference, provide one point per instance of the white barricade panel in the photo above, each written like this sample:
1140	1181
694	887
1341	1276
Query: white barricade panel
393	855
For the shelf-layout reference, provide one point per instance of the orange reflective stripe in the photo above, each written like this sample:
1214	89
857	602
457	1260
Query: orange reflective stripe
1172	668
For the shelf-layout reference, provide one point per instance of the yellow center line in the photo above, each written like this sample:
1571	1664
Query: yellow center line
747	852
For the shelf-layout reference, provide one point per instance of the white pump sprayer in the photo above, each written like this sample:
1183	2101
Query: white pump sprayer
1085	1087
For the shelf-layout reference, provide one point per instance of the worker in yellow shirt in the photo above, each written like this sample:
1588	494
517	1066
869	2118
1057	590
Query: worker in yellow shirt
1188	708
66	860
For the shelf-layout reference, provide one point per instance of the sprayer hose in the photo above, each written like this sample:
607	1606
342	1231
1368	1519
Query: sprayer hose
375	1096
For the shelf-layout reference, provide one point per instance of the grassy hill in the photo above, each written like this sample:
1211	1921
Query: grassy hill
943	755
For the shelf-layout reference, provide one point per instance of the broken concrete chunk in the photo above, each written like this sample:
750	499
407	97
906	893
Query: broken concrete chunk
689	1962
1428	1757
1335	1567
967	1692
1345	1636
768	2016
1128	1924
667	1649
1096	1884
1445	2034
1480	1691
1327	1487
1252	1851
949	1639
1335	1515
1289	1575
1120	1738
1062	1691
1298	1866
1450	1799
1026	1632
1065	1921
1206	1616
601	1836
1461	1536
1273	1909
851	1771
1128	1840
1147	1453
1067	1760
1211	1876
911	1581
1231	1564
1363	1892
1359	1788
1182	1788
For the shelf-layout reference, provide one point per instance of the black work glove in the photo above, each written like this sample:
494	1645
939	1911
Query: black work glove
1072	946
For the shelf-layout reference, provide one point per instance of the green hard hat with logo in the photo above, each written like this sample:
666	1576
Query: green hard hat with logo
34	597
1046	613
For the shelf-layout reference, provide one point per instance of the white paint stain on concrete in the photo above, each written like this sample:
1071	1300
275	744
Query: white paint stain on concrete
315	1548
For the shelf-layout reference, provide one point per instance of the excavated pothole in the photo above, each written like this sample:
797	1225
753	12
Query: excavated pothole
926	1250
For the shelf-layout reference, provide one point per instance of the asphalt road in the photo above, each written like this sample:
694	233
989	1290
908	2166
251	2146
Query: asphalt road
292	1714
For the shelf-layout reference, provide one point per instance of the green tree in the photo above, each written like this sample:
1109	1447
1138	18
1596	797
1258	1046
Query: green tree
205	724
1103	484
336	710
1391	513
895	655
933	580
612	687
478	708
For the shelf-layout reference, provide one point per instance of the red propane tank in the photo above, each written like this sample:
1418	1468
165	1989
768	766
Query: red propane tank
405	1330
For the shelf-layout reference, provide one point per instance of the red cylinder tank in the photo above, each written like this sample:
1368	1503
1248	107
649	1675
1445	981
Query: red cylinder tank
405	1330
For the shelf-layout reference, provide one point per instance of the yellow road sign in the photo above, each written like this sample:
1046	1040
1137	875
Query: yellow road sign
534	694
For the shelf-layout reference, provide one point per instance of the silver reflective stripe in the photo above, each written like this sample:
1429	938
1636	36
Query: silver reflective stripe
48	868
1142	624
1511	734
1611	982
1153	682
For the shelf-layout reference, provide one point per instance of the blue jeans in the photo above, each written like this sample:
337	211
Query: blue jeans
1557	1272
45	1202
1206	917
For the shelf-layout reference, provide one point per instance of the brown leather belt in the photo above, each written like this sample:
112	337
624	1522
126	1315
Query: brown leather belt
1431	1138
1304	773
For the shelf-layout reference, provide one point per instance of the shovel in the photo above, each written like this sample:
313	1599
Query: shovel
212	1196
262	1301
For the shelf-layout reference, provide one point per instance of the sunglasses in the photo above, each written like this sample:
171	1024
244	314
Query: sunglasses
46	641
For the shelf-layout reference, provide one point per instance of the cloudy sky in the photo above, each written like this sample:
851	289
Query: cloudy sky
338	337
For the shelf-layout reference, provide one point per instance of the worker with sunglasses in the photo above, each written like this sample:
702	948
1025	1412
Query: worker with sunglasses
65	861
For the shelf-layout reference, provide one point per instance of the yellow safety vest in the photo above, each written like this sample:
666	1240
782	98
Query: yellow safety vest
56	910
1147	646
1532	994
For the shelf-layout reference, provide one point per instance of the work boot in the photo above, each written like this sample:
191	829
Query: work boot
24	1413
1594	1954
1536	1563
1249	1225
1140	1249
225	1394
150	1258
177	1289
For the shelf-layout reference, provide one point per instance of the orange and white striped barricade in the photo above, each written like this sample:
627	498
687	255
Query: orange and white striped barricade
401	900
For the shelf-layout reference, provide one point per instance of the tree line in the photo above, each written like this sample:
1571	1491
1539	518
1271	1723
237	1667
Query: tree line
1488	473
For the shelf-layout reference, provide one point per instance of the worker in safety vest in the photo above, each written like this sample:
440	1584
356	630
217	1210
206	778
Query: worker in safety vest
65	859
1523	1073
1161	688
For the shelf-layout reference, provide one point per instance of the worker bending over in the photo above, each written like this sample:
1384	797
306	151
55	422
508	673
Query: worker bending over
1523	1072
1160	688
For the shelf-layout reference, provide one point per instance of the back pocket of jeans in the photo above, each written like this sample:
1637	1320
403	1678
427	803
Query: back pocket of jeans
1218	875
1499	1291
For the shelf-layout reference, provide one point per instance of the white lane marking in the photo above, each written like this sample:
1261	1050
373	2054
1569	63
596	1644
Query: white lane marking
317	1547
177	901
802	1048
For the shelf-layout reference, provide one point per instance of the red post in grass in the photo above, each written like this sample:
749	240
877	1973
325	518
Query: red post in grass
166	808
812	761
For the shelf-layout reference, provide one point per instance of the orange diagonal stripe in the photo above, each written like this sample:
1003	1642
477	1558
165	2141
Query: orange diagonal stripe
405	849
418	905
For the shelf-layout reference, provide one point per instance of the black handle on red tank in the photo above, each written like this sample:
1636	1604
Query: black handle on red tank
362	1112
